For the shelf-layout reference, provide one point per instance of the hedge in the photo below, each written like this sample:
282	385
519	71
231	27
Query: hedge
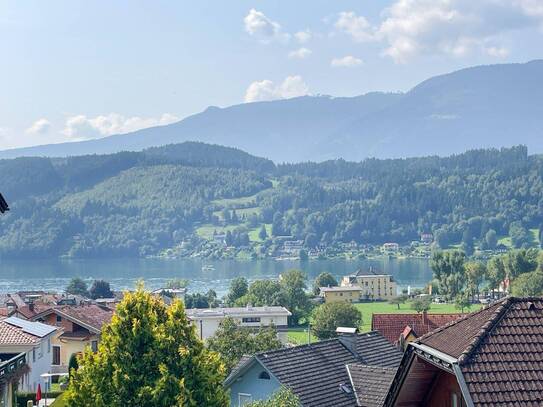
23	397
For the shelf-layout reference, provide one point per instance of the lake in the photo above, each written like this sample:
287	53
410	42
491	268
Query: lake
54	274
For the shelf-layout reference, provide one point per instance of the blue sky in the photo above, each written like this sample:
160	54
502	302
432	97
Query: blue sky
73	70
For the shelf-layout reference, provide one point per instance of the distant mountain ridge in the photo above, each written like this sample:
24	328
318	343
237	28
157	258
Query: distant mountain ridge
479	107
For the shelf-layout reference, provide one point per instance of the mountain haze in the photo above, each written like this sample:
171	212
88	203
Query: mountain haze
480	107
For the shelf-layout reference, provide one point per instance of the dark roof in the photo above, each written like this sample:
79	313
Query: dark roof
368	272
499	350
317	373
455	338
370	383
392	325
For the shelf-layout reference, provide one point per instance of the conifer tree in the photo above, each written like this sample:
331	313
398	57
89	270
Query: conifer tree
149	356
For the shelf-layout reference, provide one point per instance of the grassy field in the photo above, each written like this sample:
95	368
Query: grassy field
206	231
299	335
59	401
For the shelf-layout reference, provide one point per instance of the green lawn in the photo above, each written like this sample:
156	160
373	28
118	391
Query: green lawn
59	402
369	308
253	234
299	335
206	231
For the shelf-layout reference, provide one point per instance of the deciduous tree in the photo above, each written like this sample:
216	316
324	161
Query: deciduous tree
77	286
231	341
328	317
324	279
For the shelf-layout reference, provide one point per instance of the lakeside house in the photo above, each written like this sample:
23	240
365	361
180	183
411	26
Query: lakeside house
207	320
492	357
341	293
79	328
33	339
374	285
401	329
326	373
390	248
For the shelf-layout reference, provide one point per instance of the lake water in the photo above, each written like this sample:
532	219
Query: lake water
54	275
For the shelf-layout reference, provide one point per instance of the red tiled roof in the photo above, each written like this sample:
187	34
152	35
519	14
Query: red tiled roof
13	335
38	308
392	325
89	316
499	350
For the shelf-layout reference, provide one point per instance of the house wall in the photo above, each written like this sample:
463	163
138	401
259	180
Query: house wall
374	287
343	296
446	388
249	383
68	347
38	365
206	327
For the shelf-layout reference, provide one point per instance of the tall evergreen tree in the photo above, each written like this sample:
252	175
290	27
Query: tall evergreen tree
149	356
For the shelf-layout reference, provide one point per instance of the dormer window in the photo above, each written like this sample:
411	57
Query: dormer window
264	376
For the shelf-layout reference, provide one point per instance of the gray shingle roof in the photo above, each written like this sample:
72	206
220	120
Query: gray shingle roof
316	373
370	383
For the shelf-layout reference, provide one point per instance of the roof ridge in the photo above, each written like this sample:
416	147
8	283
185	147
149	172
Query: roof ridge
461	319
487	327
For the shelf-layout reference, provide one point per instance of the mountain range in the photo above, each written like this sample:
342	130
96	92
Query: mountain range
479	107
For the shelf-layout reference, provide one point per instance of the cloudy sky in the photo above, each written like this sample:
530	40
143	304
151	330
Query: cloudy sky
77	69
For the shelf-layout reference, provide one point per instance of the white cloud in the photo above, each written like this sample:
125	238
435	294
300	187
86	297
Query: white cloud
81	127
347	62
261	27
356	26
292	86
303	36
498	52
40	126
451	27
300	53
455	27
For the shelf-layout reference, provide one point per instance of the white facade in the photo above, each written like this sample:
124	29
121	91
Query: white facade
38	354
207	320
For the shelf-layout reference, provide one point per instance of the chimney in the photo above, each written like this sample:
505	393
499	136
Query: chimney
347	337
31	306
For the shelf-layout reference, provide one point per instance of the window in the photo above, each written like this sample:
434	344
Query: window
56	355
454	400
33	354
94	346
250	320
244	399
59	320
48	345
264	375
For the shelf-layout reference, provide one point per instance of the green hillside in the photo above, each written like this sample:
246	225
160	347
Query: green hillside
177	197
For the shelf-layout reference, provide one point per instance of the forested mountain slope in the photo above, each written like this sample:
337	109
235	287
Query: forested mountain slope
138	204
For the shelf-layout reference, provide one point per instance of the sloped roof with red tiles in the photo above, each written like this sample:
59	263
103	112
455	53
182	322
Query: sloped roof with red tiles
13	335
29	312
499	350
91	317
392	325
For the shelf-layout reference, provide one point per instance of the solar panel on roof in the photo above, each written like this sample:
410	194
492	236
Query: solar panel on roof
33	328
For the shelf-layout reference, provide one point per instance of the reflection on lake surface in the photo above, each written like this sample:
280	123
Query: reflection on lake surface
54	275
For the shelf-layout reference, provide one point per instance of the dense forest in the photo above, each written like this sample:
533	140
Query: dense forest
140	203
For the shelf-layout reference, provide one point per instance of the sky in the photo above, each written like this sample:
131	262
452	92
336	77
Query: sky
75	69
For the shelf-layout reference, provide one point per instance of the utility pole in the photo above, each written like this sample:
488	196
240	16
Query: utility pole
309	333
